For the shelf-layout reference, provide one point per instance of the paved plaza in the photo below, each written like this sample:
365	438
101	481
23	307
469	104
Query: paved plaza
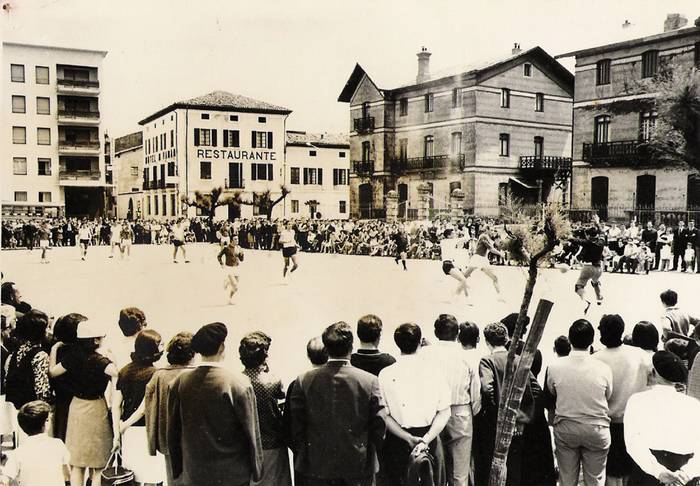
326	288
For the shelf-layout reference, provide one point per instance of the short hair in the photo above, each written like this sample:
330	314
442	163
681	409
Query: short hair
645	335
337	338
468	334
66	328
369	328
31	327
562	346
446	327
511	320
581	334
147	347
408	337
180	349
253	349
669	297
32	417
496	334
611	328
7	291
316	351
131	321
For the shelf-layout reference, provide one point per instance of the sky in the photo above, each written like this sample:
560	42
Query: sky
299	53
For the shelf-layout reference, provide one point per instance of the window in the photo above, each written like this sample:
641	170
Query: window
134	171
341	155
366	156
294	175
313	176
232	138
21	196
261	139
455	185
601	128
650	63
171	169
456	147
155	204
505	98
43	106
295	206
17	74
403	149
45	197
428	146
205	116
42	75
19	166
19	135
647	123
502	193
312	153
340	177
45	167
172	138
455	97
165	211
233	118
527	70
19	104
403	107
602	72
204	170
505	144
202	137
365	109
342	207
429	100
43	136
539	101
539	146
262	119
261	172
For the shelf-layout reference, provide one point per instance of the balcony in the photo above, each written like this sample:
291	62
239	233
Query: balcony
78	147
546	164
616	154
77	86
79	177
78	117
234	184
146	185
364	124
428	163
363	167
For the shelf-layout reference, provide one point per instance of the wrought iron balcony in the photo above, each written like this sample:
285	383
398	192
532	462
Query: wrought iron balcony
79	144
78	114
79	175
146	185
363	167
364	124
545	162
431	162
628	152
234	184
78	83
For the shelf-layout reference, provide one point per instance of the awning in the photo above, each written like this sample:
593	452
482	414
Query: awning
522	183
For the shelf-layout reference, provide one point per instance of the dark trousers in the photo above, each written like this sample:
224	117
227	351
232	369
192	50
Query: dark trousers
396	453
678	256
670	460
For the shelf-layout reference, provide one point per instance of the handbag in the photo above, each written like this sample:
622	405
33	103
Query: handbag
115	474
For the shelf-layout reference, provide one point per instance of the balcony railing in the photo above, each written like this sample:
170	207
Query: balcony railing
146	185
78	114
78	144
628	152
363	167
78	83
431	162
545	162
79	175
234	184
364	124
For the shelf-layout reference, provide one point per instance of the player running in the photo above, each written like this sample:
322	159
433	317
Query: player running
480	260
114	237
289	248
233	257
178	235
44	237
126	237
401	240
453	251
591	256
84	236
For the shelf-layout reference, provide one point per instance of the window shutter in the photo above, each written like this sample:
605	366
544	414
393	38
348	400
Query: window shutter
269	140
252	141
335	177
226	132
320	176
306	175
253	175
236	138
270	176
213	137
196	137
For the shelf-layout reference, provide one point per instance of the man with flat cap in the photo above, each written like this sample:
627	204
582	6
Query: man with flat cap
662	430
213	432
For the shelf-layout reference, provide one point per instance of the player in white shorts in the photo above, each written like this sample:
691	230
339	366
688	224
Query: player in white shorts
114	238
44	237
178	235
126	236
289	248
480	261
233	257
84	236
453	253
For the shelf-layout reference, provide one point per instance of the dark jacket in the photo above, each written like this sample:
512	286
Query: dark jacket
336	423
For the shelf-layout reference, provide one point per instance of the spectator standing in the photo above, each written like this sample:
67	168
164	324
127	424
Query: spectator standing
674	319
131	321
649	236
368	357
679	235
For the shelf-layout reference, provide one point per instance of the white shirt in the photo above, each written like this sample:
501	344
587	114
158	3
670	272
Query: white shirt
84	233
414	392
38	462
287	238
630	371
665	420
452	363
179	232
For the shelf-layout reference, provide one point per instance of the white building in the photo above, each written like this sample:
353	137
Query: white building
53	143
317	171
127	160
216	140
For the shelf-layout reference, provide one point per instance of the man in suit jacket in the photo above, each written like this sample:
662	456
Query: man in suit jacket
213	432
679	244
337	418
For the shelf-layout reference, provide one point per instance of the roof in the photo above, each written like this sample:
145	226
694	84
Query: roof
480	70
639	41
43	47
331	140
222	101
128	142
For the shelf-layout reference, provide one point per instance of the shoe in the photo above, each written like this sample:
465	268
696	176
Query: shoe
187	261
174	261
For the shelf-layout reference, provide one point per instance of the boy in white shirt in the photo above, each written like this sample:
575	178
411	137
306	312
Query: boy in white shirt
40	460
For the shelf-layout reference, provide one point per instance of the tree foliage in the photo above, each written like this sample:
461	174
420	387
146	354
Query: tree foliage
207	202
264	200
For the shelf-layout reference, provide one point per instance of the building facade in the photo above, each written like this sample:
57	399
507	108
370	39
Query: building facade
127	161
317	173
53	144
495	131
614	118
216	140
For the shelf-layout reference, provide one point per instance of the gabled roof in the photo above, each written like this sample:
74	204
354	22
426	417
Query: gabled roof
353	82
222	101
331	140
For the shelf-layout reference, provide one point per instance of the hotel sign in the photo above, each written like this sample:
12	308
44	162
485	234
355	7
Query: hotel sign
236	154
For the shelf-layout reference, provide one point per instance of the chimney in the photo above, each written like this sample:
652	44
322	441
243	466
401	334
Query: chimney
516	49
423	65
675	21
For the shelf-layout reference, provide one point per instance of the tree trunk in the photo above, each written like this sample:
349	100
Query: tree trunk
210	220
